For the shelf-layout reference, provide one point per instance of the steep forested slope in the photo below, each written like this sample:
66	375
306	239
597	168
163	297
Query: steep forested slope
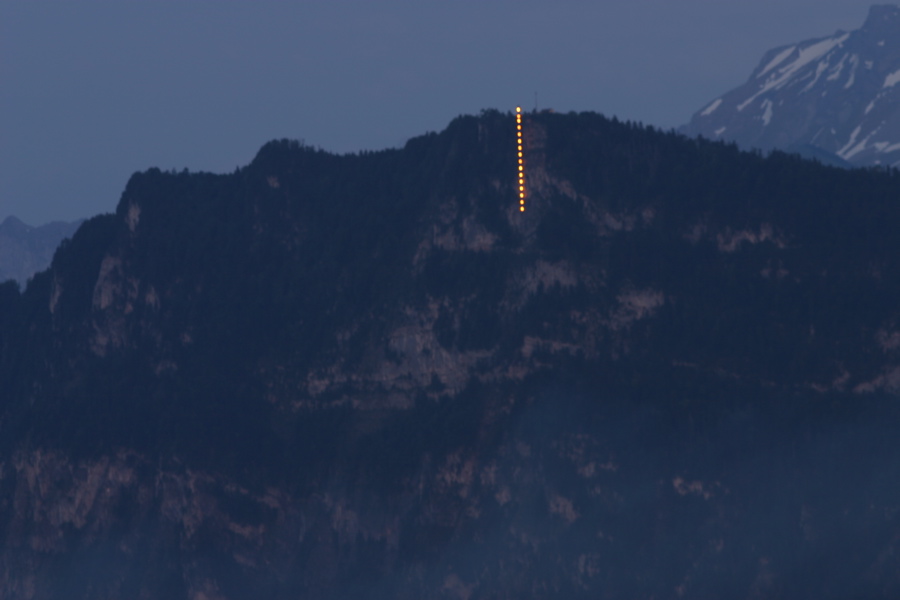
369	375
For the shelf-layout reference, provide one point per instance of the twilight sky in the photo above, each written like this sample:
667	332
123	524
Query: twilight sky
93	91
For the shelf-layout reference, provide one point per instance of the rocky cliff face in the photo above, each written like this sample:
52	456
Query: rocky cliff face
674	375
836	96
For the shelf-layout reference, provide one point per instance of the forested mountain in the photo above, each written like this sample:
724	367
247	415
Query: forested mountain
834	98
25	250
320	376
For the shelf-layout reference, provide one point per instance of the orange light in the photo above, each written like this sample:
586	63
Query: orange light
521	160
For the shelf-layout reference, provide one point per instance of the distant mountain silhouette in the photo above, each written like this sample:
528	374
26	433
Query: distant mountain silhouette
674	376
25	250
837	95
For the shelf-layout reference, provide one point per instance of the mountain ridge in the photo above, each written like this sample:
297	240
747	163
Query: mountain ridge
371	375
836	93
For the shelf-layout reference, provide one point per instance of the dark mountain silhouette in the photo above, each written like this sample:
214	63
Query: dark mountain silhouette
25	250
320	376
834	98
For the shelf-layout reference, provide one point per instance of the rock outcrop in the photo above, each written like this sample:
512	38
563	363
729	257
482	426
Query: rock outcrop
321	376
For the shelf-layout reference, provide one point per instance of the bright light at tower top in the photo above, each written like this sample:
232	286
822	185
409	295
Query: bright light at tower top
518	109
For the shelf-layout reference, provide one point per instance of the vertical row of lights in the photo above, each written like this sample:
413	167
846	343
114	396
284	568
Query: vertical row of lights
521	159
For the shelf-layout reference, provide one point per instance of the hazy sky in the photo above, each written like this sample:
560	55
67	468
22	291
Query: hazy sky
92	91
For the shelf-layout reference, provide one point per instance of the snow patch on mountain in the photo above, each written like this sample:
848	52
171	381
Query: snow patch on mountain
854	59
852	141
806	55
837	69
767	114
712	107
820	68
838	95
776	61
892	79
886	146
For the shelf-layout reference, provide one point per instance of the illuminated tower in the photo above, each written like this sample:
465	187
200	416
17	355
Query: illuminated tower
521	159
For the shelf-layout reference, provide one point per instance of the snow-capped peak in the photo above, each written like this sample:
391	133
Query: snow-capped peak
837	93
